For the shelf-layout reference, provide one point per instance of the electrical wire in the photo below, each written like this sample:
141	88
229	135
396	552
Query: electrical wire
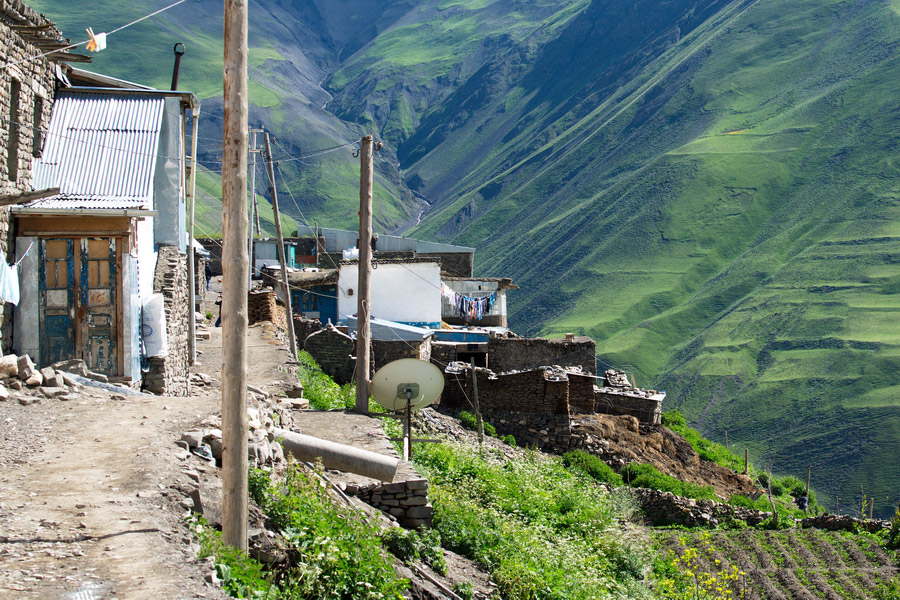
72	46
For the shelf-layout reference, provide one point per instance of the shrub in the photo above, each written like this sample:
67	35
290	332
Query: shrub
241	576
509	440
464	590
592	466
648	476
470	422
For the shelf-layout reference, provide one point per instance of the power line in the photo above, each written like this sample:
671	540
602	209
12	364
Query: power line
72	46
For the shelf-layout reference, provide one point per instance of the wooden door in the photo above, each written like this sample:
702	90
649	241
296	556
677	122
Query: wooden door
96	315
56	284
78	302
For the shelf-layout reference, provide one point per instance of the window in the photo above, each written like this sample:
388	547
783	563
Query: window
12	147
37	139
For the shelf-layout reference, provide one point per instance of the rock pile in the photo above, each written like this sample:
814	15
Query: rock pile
264	413
21	380
844	523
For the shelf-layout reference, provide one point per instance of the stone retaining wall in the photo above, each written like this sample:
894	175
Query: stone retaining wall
407	501
170	375
334	351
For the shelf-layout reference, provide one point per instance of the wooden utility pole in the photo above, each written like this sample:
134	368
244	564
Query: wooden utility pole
363	330
284	279
480	427
746	461
235	270
253	153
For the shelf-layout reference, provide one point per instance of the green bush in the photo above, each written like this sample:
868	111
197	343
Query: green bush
470	422
464	590
241	576
592	466
509	440
647	476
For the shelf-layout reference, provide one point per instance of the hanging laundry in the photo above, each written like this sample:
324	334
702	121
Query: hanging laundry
97	41
9	283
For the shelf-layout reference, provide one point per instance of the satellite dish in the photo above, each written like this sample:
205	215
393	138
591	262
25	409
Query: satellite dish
407	384
411	379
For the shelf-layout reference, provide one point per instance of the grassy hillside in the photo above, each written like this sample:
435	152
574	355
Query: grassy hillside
723	221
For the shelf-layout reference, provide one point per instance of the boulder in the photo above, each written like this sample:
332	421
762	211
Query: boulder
25	367
9	366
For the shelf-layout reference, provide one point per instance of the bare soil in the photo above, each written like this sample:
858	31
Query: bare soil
664	449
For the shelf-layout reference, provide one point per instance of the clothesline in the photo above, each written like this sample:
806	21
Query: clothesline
469	307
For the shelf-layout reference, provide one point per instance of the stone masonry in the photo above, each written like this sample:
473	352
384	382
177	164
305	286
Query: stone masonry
30	85
334	351
169	375
407	501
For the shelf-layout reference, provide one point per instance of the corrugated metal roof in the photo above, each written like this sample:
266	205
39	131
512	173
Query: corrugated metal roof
101	150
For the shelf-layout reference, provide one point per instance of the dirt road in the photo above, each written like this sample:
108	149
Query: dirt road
93	490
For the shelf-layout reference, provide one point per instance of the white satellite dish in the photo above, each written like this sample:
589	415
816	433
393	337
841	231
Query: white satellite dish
407	384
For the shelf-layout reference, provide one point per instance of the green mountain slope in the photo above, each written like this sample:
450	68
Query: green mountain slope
719	213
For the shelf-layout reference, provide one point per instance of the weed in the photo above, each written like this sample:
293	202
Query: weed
464	590
321	391
409	546
509	440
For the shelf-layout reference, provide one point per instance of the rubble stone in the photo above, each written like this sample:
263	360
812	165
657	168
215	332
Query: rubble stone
25	367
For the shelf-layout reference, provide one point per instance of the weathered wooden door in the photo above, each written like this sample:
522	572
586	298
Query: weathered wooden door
96	314
56	283
79	315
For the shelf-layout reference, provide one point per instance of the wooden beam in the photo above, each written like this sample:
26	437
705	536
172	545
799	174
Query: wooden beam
28	196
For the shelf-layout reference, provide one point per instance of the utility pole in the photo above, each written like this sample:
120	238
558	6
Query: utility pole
254	152
480	427
363	329
234	266
284	280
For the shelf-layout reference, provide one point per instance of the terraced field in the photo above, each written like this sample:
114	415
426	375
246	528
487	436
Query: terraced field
789	564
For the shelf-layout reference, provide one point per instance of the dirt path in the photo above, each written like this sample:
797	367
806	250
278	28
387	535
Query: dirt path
93	491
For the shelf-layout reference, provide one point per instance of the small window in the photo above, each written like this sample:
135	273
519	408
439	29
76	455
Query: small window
37	140
12	147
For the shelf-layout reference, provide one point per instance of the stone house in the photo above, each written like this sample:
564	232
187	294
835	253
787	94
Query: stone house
26	94
95	253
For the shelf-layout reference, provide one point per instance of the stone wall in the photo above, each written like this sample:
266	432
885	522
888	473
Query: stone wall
646	410
385	351
214	247
263	306
170	375
665	508
517	354
35	83
581	392
407	501
334	351
550	433
303	328
526	392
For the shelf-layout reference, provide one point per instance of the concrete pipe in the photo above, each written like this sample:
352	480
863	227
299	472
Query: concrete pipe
337	456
